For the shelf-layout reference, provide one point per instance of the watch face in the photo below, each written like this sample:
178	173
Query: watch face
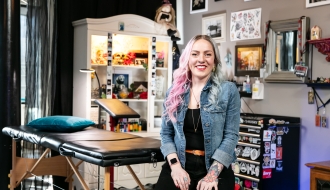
173	160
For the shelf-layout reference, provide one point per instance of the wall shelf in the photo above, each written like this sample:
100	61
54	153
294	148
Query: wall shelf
318	85
323	46
245	94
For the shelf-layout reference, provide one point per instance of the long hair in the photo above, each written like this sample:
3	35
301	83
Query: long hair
182	79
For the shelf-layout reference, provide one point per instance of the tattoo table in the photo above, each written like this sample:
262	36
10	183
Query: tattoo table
92	145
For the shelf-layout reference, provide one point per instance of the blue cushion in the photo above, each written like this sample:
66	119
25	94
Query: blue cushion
60	123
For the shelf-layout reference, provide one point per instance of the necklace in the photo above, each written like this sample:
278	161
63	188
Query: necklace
192	114
195	97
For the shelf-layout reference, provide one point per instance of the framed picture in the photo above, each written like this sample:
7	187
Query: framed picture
248	60
120	81
215	27
314	3
140	61
197	6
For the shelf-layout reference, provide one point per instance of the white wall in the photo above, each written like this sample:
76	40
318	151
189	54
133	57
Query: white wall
280	99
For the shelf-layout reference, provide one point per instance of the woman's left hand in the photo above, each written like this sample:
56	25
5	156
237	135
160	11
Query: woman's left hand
208	182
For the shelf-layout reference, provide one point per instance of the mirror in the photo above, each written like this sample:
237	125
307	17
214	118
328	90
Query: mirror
282	52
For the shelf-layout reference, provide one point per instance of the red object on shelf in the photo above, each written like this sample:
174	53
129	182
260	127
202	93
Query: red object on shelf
323	46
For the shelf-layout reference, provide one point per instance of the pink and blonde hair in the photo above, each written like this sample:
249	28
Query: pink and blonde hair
182	79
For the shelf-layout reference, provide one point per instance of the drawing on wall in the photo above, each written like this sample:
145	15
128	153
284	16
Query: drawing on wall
245	25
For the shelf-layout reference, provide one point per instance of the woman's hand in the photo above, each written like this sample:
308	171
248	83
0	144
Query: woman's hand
208	182
211	178
180	177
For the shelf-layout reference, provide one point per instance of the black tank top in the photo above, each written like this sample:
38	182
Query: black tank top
194	140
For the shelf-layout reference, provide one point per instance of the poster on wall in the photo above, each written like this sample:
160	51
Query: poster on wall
245	25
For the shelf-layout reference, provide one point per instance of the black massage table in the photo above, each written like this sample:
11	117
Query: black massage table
93	145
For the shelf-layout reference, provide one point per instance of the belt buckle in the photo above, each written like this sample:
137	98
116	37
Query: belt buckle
195	152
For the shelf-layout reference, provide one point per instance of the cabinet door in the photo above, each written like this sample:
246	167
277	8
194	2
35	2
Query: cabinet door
152	170
124	174
161	79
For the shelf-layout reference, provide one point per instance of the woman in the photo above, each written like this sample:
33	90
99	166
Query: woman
200	122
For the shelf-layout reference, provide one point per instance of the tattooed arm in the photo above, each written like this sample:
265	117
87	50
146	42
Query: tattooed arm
211	178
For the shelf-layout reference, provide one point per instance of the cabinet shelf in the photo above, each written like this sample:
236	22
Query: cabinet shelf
249	134
245	94
323	46
256	162
247	177
248	144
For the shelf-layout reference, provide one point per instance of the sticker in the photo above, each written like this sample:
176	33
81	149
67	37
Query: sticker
266	159
279	131
278	153
257	171
279	141
267	147
247	151
267	173
243	167
267	135
272	163
254	184
323	121
279	166
273	151
273	136
254	154
317	120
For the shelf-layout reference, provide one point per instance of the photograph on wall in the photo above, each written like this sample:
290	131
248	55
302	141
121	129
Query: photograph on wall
215	27
120	82
245	25
248	60
197	6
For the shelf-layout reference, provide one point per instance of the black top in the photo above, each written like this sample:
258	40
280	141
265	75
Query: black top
194	140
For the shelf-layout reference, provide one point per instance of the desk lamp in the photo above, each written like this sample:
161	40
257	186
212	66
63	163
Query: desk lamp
98	81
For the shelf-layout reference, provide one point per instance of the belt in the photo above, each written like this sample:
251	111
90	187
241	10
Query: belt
196	152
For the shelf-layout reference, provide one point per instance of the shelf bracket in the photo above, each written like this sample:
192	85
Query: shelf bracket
323	104
323	46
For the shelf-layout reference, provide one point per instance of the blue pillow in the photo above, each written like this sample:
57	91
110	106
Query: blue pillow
60	123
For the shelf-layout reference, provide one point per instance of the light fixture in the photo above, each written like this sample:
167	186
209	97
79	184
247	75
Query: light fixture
98	81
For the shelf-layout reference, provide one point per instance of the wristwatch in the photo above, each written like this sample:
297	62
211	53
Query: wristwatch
173	161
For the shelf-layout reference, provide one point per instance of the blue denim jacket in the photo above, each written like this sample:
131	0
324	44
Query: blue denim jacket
220	126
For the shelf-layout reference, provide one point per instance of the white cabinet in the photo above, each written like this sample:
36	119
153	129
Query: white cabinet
101	44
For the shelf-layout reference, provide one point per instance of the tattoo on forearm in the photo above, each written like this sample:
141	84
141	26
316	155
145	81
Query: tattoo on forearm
213	173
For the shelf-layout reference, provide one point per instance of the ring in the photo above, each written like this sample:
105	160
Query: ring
185	179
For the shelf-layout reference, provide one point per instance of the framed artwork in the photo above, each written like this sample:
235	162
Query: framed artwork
140	61
215	27
197	6
314	3
245	25
120	81
248	59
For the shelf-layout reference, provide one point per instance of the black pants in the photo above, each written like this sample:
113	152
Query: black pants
195	166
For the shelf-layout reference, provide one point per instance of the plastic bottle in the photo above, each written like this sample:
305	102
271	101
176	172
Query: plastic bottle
244	86
248	84
257	90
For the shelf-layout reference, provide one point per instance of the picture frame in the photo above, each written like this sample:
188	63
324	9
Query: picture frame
215	27
248	60
315	3
198	6
126	79
140	61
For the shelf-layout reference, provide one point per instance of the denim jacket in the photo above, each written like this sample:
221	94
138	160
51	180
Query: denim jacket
220	126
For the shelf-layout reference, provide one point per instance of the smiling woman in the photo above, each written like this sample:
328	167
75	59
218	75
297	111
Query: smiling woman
197	98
